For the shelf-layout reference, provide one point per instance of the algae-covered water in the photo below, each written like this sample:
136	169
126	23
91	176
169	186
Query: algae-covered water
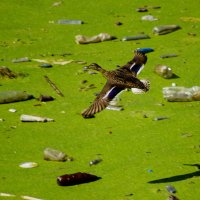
140	156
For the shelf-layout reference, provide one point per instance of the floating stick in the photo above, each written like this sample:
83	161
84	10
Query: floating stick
54	86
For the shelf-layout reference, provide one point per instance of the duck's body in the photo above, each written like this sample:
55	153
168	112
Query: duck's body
117	80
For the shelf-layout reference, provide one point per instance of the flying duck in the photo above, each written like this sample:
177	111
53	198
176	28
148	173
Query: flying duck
118	80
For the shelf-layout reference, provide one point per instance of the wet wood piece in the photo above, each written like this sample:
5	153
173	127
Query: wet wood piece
54	86
6	72
76	179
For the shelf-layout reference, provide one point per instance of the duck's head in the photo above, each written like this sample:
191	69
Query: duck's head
93	66
144	50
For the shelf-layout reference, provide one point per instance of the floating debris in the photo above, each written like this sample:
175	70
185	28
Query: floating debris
160	118
185	135
2	194
12	110
172	197
128	195
171	189
44	98
75	179
59	62
163	71
190	19
29	198
168	55
58	3
192	34
14	96
142	10
5	72
28	165
55	155
46	65
31	118
178	93
68	21
81	39
54	86
148	18
118	23
117	108
18	60
154	7
137	37
95	162
165	29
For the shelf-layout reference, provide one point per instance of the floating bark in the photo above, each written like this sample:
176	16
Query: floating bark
31	118
81	39
137	37
163	71
54	86
161	30
178	94
7	73
76	179
14	96
55	155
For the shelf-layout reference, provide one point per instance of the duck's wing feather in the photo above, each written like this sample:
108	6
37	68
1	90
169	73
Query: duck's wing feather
127	80
108	92
136	65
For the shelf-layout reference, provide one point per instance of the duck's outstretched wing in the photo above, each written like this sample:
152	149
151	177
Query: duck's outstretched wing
136	65
108	93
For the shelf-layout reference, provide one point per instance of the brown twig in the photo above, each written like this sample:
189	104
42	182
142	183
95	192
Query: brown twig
53	86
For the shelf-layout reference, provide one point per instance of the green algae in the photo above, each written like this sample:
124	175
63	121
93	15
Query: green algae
129	144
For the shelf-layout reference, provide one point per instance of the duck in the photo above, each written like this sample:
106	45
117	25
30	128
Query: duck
124	77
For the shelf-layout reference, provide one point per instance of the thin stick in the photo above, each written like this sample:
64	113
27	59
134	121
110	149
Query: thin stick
54	86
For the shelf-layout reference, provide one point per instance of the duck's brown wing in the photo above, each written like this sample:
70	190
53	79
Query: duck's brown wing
136	64
108	92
